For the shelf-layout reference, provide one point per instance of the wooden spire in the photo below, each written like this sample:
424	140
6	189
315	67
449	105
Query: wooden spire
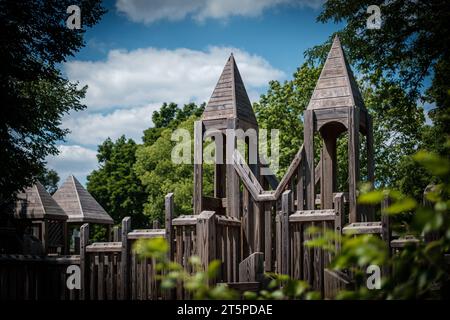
229	98
336	86
79	205
36	203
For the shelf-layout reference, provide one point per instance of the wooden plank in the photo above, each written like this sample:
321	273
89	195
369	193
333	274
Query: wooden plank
126	226
309	158
232	180
228	221
286	210
291	171
206	237
268	242
84	240
363	228
198	166
169	213
99	259
339	221
104	247
185	220
251	269
334	282
307	254
318	264
353	160
146	234
312	215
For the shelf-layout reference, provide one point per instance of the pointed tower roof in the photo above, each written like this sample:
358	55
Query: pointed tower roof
229	98
79	205
36	203
336	86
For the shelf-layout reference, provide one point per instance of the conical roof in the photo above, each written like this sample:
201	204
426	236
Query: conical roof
336	86
36	203
229	98
79	204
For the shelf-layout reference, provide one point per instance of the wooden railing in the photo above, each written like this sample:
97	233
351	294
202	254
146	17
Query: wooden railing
294	257
27	277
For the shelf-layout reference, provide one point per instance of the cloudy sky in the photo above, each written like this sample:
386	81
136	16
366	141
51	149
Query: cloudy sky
146	52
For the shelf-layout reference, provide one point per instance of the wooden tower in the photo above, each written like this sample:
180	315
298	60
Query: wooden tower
228	110
336	106
80	207
44	216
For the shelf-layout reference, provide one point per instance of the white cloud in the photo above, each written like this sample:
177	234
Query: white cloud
150	75
73	159
151	11
93	128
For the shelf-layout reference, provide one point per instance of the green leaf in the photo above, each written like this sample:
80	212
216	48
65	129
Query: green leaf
432	162
404	205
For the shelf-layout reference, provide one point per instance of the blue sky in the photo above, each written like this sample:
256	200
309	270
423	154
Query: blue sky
144	53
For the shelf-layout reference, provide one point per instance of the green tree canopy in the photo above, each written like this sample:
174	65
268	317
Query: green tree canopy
115	185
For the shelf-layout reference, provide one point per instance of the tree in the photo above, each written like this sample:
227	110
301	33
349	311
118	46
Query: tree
282	107
115	185
49	179
170	115
33	92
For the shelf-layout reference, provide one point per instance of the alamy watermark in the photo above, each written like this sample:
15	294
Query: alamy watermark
257	147
374	277
74	20
374	20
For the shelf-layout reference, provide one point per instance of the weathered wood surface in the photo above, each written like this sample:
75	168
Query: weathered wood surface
251	269
27	277
334	282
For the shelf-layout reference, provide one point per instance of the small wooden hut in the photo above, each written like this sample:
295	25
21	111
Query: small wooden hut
80	206
40	217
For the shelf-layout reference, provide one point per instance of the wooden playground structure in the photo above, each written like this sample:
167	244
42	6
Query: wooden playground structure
252	223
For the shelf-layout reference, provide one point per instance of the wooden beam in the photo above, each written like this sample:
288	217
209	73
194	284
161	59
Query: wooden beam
125	263
84	240
353	161
312	215
286	210
206	237
309	158
232	181
168	216
268	242
198	166
251	269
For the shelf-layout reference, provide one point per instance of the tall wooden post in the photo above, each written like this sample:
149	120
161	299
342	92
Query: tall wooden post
220	167
232	181
169	212
206	237
353	161
328	170
309	161
286	210
198	166
125	254
84	241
